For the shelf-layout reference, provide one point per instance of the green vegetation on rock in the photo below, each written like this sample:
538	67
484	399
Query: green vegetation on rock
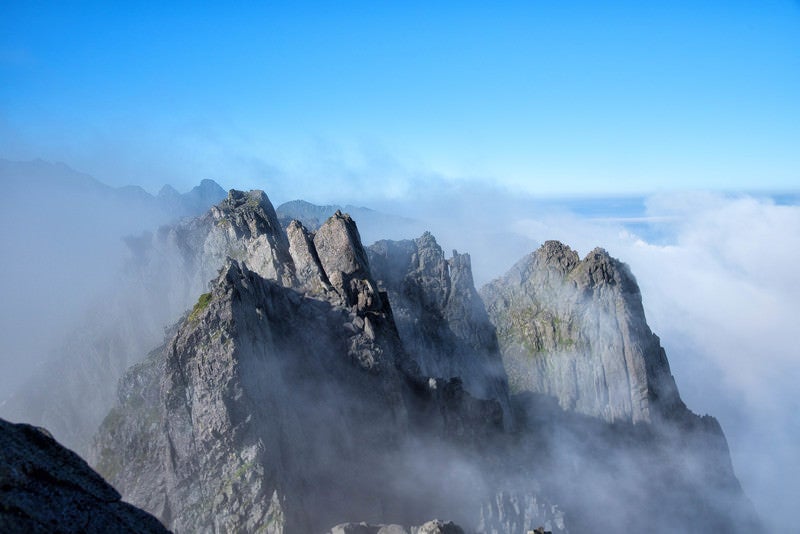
202	304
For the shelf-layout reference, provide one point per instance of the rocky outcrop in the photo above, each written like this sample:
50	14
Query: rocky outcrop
373	225
575	329
339	248
439	315
270	409
342	389
308	268
45	487
314	382
597	406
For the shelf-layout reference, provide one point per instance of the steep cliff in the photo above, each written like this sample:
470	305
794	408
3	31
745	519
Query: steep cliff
597	406
287	408
315	382
575	329
166	271
439	315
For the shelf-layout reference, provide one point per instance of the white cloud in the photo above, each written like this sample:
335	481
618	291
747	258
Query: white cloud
720	288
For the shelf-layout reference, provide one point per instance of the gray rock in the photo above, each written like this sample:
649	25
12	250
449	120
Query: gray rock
437	527
520	512
45	487
439	315
262	412
431	527
308	268
576	330
339	248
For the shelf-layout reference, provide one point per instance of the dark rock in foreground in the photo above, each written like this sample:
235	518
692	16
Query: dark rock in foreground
45	487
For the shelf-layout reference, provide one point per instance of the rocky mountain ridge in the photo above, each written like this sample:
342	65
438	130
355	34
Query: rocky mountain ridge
321	382
37	177
194	437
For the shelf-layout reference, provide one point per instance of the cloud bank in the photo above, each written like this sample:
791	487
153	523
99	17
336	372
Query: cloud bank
719	283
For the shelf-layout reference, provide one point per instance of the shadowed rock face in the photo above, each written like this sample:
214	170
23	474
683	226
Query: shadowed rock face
439	315
167	271
45	487
272	409
576	330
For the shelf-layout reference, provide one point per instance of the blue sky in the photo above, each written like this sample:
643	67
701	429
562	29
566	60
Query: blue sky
547	97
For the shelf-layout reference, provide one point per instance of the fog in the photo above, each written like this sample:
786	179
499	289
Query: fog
62	250
717	274
718	279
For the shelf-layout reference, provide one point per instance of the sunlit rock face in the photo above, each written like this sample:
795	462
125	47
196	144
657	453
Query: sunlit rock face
45	487
575	329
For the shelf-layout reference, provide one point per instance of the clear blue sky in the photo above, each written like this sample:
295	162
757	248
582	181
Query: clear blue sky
550	97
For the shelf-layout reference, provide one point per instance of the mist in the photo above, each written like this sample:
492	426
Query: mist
66	247
716	273
718	279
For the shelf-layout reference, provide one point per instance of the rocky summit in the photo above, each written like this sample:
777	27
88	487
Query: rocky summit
575	329
286	401
312	384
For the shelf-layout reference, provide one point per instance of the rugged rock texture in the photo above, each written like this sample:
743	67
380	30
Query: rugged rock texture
598	407
308	268
338	245
518	512
273	410
439	315
372	224
431	527
45	487
166	272
293	396
318	383
576	330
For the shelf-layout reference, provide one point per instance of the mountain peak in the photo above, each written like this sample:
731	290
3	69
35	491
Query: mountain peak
576	330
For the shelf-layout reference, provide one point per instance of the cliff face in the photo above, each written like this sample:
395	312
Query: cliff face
74	390
47	488
575	329
286	408
439	315
596	403
315	382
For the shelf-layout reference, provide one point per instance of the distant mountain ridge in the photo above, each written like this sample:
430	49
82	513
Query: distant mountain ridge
39	176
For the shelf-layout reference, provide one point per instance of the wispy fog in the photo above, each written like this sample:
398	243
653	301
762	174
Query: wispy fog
61	236
719	284
718	275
